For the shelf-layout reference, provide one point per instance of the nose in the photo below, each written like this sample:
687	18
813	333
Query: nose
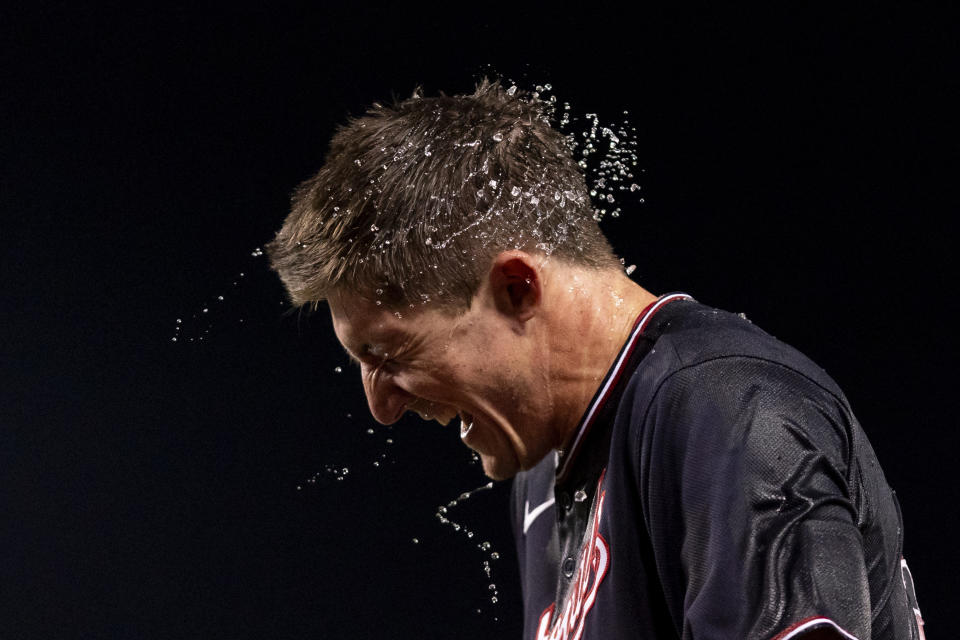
387	401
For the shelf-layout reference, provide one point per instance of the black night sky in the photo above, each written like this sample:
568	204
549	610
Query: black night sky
799	167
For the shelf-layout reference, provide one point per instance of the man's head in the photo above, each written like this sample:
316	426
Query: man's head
435	229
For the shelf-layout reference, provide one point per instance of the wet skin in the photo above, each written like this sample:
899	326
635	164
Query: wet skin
441	365
509	366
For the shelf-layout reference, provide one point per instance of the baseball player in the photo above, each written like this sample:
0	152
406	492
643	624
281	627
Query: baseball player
678	472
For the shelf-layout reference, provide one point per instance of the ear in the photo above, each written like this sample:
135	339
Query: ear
515	285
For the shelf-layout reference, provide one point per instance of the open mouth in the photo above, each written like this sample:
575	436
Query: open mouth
466	424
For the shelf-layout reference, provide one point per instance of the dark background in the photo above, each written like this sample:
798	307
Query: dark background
799	167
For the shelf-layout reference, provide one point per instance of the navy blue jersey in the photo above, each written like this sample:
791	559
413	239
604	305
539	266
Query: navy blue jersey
718	486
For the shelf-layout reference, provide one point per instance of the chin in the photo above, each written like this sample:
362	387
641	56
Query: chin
497	468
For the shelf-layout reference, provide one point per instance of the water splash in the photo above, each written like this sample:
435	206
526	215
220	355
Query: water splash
443	516
605	151
338	473
227	307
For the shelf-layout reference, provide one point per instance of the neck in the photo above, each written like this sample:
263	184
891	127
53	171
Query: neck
594	313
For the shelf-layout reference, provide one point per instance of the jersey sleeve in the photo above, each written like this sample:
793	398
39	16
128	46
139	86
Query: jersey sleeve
746	469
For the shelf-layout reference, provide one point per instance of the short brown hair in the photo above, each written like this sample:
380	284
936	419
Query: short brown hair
415	200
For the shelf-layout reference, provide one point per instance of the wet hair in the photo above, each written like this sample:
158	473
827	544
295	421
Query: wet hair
415	200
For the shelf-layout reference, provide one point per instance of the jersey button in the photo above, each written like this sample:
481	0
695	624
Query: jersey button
568	567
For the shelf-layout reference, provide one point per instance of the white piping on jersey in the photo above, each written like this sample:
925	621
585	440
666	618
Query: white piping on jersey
624	354
810	623
905	573
530	516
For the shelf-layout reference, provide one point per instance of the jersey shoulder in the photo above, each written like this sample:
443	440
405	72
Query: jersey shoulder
687	334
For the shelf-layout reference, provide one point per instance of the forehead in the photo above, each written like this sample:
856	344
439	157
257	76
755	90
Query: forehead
358	322
358	319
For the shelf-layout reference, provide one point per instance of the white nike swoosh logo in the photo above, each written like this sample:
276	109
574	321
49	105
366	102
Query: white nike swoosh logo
530	516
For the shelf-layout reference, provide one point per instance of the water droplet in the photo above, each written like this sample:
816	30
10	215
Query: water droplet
630	269
580	495
512	90
426	151
485	546
495	555
493	184
515	191
498	137
428	242
338	369
416	541
493	599
370	431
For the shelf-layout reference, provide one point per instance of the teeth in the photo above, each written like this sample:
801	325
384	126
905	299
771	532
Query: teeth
465	427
